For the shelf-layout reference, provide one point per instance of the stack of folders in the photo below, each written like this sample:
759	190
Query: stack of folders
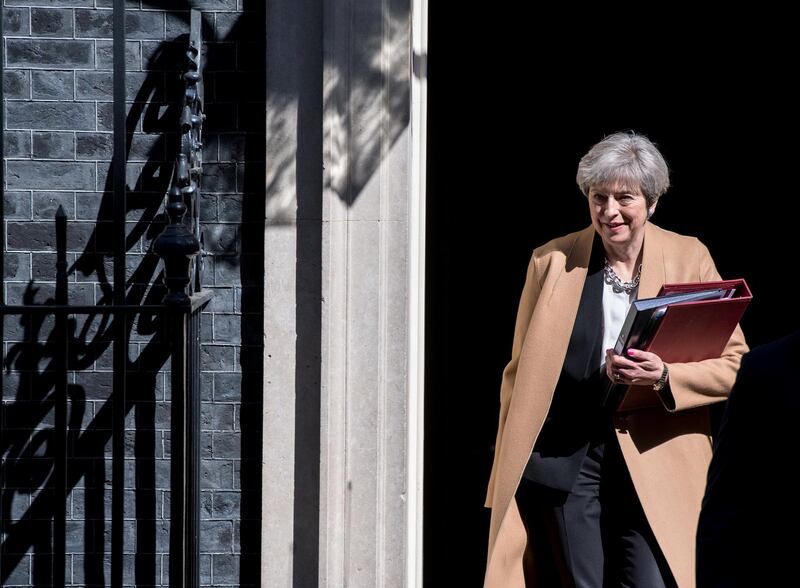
685	322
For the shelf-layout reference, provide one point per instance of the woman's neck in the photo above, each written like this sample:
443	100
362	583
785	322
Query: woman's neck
624	260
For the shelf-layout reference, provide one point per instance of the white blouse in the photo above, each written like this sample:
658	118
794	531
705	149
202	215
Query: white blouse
615	309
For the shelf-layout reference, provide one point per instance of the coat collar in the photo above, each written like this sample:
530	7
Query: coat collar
577	264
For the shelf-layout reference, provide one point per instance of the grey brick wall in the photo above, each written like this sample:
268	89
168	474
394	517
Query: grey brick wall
58	85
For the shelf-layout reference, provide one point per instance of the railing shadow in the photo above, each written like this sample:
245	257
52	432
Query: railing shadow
31	498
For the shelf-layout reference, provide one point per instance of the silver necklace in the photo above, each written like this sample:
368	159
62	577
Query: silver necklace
619	286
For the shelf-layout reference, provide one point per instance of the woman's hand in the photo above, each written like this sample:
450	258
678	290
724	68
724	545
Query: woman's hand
639	368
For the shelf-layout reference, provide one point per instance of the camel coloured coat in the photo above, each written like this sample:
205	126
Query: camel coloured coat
667	448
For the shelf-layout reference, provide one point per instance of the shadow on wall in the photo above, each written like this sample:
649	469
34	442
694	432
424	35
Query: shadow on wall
233	74
234	210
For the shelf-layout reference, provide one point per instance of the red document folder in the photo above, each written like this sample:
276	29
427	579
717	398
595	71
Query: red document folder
691	331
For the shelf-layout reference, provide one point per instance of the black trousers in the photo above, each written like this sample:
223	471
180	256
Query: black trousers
603	539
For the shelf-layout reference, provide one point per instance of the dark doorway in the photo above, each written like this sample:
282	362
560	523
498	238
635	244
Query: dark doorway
509	117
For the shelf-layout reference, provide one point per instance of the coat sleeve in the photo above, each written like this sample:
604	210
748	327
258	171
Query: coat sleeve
527	302
704	382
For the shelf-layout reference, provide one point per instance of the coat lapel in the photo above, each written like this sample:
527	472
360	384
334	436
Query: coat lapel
653	267
541	357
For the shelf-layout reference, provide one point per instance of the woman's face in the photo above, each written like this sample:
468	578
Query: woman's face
619	214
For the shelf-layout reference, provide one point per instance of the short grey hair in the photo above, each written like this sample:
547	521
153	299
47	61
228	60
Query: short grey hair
628	158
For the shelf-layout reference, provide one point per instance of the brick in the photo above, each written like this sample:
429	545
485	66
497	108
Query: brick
227	445
94	85
50	175
227	328
53	145
217	358
147	147
163	55
227	272
53	116
104	55
225	569
216	536
17	144
205	570
17	84
144	25
97	24
226	505
104	177
52	85
41	236
227	387
177	23
45	204
214	4
221	238
51	22
216	417
216	474
206	329
206	386
17	267
80	293
87	205
49	53
230	208
60	3
43	266
16	205
208	207
227	24
16	22
105	116
95	146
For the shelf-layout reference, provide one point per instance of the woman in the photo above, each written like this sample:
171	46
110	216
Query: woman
580	496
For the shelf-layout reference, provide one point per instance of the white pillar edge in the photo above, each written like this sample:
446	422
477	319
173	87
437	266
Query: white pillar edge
416	293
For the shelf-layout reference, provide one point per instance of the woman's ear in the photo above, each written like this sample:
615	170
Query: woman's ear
652	209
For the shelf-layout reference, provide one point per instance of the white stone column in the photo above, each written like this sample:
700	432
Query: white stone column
365	281
362	225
